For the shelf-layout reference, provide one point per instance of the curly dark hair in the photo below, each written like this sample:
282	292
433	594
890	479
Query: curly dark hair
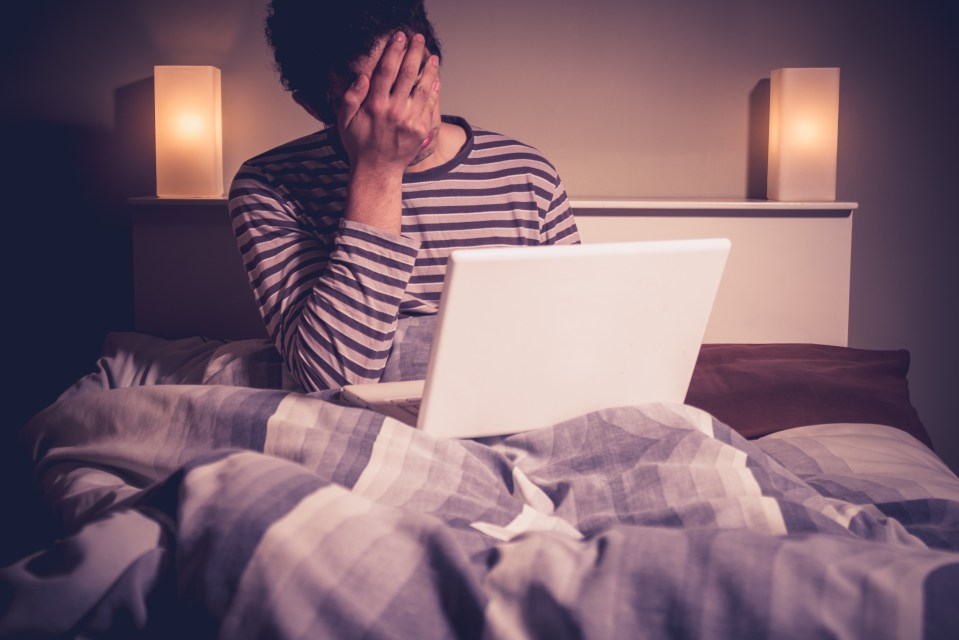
314	41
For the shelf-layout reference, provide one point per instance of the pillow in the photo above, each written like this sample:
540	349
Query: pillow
758	389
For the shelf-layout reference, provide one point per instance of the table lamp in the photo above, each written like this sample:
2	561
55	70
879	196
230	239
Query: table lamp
803	134
189	139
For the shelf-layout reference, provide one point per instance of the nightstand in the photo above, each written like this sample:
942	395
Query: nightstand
188	278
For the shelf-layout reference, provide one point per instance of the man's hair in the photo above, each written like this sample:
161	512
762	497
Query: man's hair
314	41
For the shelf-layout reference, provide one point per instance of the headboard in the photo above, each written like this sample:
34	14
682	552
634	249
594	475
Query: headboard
787	278
788	274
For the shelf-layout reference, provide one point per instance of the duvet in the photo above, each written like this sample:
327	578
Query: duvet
202	504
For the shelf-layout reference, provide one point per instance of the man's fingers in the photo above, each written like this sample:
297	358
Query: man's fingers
353	99
427	90
389	63
410	68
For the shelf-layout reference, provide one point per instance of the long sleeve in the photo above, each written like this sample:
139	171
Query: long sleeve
557	225
329	293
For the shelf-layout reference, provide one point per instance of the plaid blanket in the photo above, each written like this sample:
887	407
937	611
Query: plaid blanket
196	507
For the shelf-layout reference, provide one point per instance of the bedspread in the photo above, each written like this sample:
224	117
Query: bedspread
241	512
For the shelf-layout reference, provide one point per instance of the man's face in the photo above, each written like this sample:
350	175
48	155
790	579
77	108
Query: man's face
366	65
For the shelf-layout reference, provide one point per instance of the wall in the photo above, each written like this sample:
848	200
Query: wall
627	98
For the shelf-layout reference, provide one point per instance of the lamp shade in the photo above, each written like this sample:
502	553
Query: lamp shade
803	134
189	140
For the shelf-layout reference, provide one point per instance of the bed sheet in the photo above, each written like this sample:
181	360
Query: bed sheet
192	502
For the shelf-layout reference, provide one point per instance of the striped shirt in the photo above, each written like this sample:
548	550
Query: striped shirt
330	290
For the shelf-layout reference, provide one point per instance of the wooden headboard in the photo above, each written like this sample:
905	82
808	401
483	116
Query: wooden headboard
787	278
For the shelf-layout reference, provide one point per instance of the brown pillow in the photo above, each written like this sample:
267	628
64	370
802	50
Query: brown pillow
758	389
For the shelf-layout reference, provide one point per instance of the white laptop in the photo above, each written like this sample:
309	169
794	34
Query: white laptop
527	337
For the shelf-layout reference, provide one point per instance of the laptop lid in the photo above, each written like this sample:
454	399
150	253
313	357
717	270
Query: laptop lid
528	337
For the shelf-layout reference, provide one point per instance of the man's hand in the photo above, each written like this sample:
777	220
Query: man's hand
389	111
386	117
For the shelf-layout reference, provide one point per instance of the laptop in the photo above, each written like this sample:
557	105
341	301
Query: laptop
527	337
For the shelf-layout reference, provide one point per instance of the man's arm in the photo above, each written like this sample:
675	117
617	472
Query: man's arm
557	224
330	307
385	116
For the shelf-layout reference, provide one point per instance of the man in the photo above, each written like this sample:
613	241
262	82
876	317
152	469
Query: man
348	230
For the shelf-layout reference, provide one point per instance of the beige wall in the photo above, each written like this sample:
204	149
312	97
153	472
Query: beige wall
627	98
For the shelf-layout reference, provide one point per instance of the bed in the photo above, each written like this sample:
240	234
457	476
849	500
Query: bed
198	492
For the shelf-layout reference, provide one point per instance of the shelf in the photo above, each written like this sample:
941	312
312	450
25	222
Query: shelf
179	202
719	204
708	208
610	205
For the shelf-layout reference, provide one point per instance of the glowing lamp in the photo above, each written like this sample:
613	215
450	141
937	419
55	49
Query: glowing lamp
189	142
803	134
